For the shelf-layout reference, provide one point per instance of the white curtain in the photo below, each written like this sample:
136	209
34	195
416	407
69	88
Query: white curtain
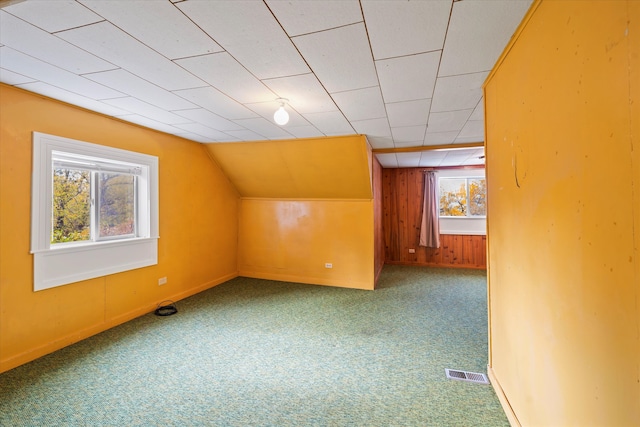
429	227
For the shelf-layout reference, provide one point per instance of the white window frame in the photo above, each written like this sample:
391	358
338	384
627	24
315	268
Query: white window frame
466	178
61	264
462	225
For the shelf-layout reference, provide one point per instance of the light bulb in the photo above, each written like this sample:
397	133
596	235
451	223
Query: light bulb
281	116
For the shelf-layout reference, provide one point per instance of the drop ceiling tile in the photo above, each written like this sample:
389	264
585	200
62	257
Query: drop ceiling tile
194	137
248	31
464	139
406	144
246	135
202	130
303	17
11	78
380	142
264	127
408	113
28	66
72	98
149	123
35	42
473	161
475	158
159	25
227	75
432	158
340	58
387	160
408	160
478	112
144	109
408	134
304	131
217	102
461	155
416	27
117	47
439	138
373	128
448	121
478	33
133	85
457	157
472	130
458	92
304	92
361	104
53	16
209	119
408	78
331	123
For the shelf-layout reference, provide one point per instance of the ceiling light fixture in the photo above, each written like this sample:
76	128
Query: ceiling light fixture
281	116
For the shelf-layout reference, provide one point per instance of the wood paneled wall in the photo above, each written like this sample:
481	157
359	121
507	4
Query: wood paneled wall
402	210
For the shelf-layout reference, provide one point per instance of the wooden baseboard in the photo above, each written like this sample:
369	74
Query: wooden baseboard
321	281
502	397
72	338
415	264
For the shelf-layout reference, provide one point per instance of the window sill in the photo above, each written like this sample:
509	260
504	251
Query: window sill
83	246
482	217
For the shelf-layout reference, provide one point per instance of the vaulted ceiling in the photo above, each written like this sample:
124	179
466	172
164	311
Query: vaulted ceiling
407	74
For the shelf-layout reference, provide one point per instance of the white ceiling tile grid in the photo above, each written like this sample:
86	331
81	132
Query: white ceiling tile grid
405	74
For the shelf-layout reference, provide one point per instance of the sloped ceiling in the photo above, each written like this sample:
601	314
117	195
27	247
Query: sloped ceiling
407	74
310	168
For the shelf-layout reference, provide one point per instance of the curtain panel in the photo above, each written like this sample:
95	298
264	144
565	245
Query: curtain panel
429	227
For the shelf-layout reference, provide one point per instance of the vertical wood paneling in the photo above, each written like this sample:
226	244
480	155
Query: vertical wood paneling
402	201
414	200
402	213
389	214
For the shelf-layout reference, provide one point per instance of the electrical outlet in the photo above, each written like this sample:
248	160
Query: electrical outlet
328	265
412	251
162	281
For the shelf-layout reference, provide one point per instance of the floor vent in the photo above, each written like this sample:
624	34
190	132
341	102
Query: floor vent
472	377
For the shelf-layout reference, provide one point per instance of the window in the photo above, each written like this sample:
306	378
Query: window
462	197
93	199
94	210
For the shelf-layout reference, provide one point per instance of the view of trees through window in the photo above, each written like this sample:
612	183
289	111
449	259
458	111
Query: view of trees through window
71	205
73	209
117	204
460	197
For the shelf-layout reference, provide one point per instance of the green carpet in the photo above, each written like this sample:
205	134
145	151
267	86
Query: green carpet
254	352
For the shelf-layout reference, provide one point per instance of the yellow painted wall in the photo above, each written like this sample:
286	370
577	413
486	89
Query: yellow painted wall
305	203
563	174
291	240
197	248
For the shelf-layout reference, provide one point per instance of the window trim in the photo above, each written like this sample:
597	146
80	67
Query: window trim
56	265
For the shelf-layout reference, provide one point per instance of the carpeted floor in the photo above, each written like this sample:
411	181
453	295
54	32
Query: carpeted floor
262	353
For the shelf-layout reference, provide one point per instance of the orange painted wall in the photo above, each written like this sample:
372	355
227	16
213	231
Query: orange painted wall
563	174
291	240
305	203
197	248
